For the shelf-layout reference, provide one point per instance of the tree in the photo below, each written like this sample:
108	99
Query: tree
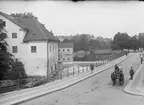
134	43
21	15
18	70
122	40
66	41
6	60
141	40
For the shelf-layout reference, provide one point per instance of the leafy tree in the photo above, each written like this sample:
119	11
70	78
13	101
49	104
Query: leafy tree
134	43
21	15
18	70
122	40
6	60
66	40
141	40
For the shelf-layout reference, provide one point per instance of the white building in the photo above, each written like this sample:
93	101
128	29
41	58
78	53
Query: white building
65	52
32	43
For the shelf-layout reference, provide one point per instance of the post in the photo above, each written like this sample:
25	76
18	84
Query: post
61	73
78	70
87	68
96	64
83	68
67	71
32	81
18	83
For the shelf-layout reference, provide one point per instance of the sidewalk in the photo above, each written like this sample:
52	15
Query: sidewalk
31	93
136	86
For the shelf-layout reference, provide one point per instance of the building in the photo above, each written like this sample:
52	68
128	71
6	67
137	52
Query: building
31	43
65	52
62	38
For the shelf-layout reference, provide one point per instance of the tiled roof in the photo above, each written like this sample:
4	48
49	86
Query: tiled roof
65	45
35	30
12	19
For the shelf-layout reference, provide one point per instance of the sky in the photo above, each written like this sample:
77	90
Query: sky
97	18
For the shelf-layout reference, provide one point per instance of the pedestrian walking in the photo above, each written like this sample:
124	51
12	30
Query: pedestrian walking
131	72
141	57
92	68
121	77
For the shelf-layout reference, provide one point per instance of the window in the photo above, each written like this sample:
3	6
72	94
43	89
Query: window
67	49
59	50
68	59
14	49
33	49
3	23
63	59
14	35
63	49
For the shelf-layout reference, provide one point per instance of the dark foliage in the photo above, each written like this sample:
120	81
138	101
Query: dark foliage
6	60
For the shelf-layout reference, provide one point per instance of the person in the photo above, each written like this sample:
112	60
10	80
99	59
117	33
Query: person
91	67
116	68
116	71
141	57
131	73
113	77
126	53
121	77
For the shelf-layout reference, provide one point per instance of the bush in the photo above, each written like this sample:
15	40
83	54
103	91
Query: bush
18	71
7	83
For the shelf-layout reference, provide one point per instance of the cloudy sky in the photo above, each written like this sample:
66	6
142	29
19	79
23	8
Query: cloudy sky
98	18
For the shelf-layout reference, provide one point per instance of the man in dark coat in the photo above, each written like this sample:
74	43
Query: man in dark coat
116	68
121	77
141	57
92	68
113	77
131	73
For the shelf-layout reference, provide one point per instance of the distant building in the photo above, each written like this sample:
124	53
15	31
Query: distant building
32	43
65	52
61	38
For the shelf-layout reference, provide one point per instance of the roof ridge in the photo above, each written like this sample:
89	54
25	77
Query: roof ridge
9	17
40	28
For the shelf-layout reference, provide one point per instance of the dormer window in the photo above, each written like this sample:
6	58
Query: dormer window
14	35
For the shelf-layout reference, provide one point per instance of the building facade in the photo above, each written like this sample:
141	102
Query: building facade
65	52
31	43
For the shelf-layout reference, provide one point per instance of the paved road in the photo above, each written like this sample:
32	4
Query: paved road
97	90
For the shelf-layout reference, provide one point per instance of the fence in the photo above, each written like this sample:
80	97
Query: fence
10	85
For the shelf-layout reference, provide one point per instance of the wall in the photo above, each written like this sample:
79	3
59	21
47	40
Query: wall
35	63
66	54
53	56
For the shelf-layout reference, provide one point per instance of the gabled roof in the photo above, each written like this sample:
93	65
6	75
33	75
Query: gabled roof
12	19
35	30
65	45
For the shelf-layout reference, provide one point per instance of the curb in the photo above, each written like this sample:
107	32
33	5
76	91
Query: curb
128	86
16	102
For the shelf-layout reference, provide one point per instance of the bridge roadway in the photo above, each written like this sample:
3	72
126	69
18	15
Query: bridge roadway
97	90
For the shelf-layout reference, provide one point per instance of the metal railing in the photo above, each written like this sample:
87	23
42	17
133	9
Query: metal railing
10	85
